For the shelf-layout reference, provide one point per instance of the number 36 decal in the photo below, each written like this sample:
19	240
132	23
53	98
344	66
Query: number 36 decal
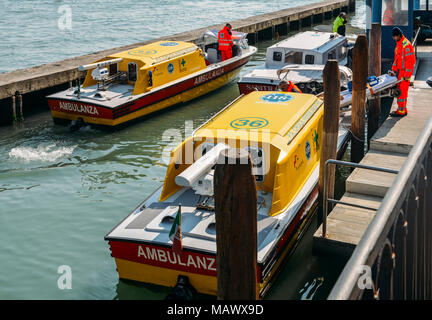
249	123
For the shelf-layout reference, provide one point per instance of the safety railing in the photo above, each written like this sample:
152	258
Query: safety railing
393	260
415	41
326	199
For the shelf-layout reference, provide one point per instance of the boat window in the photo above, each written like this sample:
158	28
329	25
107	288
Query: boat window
394	13
421	4
258	162
113	69
294	57
332	54
277	56
309	59
132	71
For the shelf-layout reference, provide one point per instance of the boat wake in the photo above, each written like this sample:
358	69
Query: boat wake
45	153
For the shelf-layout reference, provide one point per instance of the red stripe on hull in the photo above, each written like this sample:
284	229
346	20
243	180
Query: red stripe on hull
80	108
165	257
246	88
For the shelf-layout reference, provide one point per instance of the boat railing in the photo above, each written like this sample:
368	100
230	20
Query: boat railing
173	55
119	77
415	41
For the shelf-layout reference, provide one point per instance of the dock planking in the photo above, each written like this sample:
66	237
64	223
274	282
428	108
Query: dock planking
389	148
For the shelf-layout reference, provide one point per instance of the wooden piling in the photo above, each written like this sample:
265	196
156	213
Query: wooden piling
14	117
374	70
358	113
331	77
20	102
236	226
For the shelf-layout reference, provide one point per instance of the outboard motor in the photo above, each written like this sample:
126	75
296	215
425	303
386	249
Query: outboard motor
183	290
76	124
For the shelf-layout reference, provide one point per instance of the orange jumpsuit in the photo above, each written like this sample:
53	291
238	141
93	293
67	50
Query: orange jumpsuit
225	43
293	88
403	66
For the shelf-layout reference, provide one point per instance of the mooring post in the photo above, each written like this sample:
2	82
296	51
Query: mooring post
236	226
14	117
331	77
358	113
374	70
20	102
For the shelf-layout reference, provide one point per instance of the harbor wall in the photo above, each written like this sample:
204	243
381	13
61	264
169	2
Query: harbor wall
31	85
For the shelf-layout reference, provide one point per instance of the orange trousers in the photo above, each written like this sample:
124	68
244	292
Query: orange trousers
226	54
402	100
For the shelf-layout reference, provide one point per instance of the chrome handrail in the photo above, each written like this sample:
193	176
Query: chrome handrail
380	236
326	200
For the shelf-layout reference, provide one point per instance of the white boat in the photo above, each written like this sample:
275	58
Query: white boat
308	78
307	51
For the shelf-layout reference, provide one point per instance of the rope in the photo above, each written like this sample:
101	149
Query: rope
352	134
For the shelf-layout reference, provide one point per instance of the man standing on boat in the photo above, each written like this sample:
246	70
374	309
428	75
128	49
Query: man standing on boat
288	86
225	42
339	24
403	68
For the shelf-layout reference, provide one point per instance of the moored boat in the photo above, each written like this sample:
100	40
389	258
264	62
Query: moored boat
308	78
282	133
132	84
305	54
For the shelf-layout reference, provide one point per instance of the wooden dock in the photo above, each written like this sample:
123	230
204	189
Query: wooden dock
389	148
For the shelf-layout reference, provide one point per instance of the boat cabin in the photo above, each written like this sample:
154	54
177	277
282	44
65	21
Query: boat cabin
310	47
146	67
272	127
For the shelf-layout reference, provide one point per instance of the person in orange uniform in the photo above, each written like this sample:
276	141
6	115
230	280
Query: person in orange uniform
225	42
288	86
388	17
403	68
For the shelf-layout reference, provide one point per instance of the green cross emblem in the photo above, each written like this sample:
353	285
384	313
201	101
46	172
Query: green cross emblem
315	139
183	62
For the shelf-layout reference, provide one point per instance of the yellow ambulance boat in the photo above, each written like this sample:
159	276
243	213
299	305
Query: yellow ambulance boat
282	132
132	84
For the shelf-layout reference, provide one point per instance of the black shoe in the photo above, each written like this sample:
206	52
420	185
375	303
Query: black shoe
398	115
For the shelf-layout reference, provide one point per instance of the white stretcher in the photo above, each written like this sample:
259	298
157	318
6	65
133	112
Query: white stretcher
384	87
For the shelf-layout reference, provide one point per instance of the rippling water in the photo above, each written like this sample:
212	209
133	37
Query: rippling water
61	192
33	31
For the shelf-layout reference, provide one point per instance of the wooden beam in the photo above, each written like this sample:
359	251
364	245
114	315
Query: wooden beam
331	77
236	226
358	113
